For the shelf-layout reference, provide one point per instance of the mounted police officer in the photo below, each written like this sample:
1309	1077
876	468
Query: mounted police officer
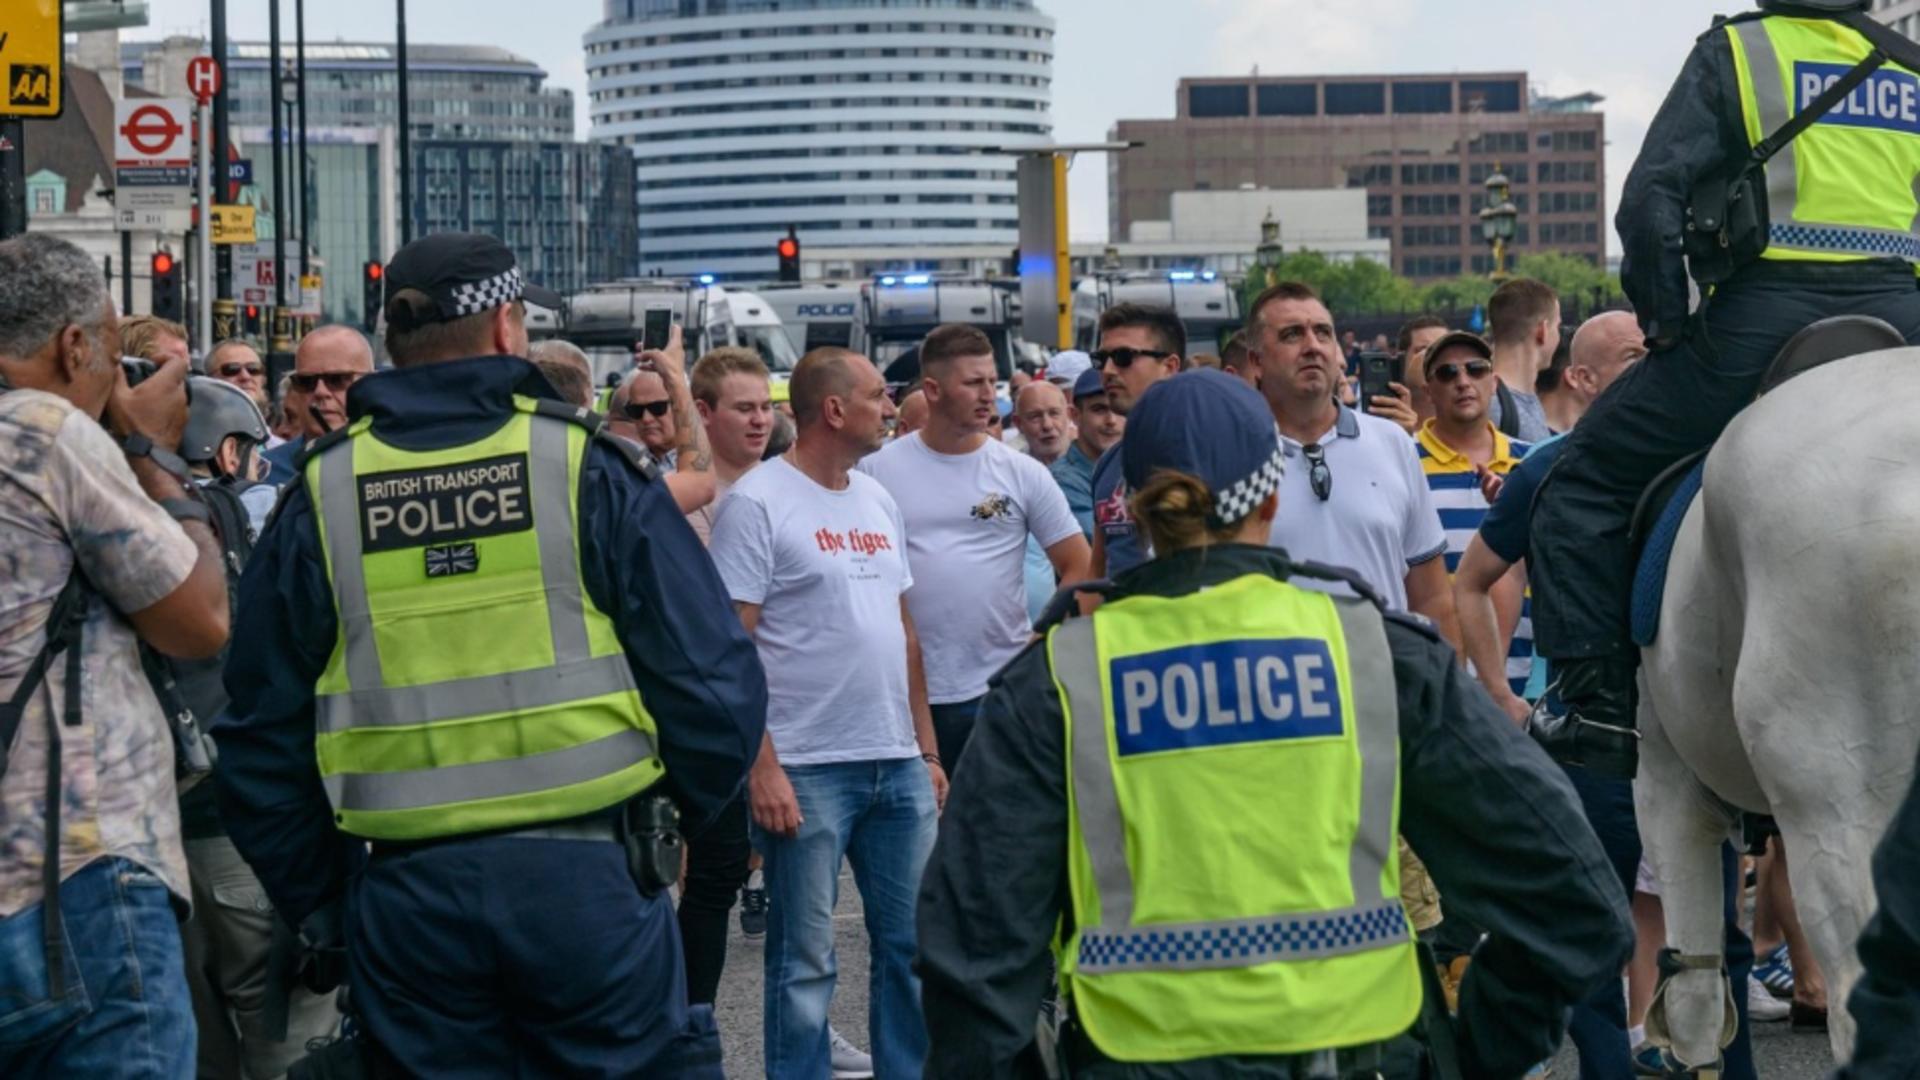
1199	788
480	640
1783	173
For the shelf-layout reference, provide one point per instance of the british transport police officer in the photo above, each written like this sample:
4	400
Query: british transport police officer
1199	787
476	643
1780	225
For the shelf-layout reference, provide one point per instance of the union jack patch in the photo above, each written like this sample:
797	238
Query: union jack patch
450	559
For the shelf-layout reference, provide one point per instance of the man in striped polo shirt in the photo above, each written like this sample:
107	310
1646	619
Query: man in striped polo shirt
1460	450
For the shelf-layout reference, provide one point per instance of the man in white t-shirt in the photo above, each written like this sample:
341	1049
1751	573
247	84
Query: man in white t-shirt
814	556
970	502
733	393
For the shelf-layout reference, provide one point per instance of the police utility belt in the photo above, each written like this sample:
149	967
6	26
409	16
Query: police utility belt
1727	223
648	827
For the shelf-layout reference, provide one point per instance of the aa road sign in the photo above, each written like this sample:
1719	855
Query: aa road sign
203	78
30	54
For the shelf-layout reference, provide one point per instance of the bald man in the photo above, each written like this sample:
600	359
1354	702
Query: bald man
912	415
327	363
1040	412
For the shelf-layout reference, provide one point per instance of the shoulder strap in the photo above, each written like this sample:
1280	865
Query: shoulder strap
320	446
1509	410
628	452
574	414
64	626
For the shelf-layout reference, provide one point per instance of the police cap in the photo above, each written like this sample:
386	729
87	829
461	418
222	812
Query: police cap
1211	425
451	275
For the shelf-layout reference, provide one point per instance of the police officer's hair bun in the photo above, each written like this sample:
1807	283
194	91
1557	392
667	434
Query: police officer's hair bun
1173	508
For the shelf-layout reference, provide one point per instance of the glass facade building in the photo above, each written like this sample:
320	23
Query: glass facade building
859	122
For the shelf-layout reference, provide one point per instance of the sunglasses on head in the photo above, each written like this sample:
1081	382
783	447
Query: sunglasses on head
233	368
1446	373
1318	474
1124	356
337	381
637	409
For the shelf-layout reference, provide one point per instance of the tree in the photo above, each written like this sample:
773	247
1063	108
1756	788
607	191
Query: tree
1574	278
1364	287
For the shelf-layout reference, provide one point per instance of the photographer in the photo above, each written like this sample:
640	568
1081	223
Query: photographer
85	515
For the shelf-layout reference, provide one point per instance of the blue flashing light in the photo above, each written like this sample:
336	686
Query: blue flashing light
706	279
889	280
1207	275
917	279
1179	275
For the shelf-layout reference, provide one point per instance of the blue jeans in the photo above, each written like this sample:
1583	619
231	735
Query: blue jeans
880	816
125	1012
1599	1025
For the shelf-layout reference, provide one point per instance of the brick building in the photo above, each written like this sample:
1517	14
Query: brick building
1422	146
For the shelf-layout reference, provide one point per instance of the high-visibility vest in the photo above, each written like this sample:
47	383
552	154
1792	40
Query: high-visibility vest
1844	190
474	685
1234	769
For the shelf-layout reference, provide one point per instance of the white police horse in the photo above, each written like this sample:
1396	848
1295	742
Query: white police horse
1785	676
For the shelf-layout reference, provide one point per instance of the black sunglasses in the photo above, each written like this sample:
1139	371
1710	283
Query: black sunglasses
1318	474
337	381
1446	373
1124	356
234	368
637	409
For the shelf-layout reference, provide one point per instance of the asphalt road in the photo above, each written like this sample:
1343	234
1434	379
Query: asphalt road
1780	1054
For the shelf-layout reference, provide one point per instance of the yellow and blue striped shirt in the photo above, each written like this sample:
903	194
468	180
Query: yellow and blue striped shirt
1456	495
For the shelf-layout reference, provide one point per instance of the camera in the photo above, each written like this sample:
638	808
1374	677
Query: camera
138	370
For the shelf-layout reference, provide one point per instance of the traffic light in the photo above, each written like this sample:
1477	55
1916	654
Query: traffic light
372	278
165	280
789	249
250	320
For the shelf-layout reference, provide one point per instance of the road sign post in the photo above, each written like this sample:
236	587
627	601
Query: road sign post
203	260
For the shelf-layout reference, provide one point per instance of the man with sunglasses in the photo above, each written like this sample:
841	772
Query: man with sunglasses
326	364
1140	345
1353	495
235	361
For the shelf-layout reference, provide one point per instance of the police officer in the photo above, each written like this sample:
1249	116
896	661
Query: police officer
478	638
1885	1003
1829	226
1200	786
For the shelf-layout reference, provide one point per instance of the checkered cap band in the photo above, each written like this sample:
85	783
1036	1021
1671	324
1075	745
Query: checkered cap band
478	296
1246	494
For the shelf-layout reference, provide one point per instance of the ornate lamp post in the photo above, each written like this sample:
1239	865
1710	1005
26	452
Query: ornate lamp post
1268	253
1497	221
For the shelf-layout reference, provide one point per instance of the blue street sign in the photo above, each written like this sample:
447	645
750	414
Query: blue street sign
240	171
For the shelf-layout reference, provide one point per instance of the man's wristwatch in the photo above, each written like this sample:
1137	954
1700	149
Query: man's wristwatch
138	445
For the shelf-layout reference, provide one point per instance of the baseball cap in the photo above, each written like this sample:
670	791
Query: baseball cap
1465	338
1066	367
461	274
1214	426
1088	384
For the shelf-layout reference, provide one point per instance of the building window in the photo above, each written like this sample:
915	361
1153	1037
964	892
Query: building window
1479	95
1430	235
1430	175
1422	97
1430	205
1567	172
1287	99
1427	266
1499	142
1215	100
1356	99
1515	171
1569	202
1369	175
43	200
1379	206
1563	142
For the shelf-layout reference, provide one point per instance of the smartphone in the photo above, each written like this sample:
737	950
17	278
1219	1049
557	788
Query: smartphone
1377	371
654	334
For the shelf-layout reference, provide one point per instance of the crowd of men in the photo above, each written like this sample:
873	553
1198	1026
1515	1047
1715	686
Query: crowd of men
885	560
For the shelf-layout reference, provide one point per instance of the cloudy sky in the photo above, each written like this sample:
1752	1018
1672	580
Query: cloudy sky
1121	58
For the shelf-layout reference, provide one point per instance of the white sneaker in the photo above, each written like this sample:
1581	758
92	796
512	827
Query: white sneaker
849	1061
1762	1006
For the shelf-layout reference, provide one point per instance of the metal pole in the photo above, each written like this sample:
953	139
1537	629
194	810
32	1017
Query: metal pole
223	267
126	273
406	135
281	218
300	83
13	177
203	256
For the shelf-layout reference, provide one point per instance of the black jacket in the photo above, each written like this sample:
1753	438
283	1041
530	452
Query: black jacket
1496	822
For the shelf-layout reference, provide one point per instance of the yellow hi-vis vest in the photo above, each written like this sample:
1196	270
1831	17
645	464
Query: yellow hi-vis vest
1234	775
1845	189
474	684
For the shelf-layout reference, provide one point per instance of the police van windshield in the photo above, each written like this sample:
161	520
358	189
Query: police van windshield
771	342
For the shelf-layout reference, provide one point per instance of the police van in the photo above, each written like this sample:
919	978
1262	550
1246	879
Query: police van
607	320
897	310
816	313
1207	303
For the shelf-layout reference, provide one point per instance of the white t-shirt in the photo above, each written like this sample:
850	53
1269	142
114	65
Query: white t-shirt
827	569
1378	518
968	517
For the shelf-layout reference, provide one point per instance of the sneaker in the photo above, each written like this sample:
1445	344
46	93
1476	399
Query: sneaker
849	1061
753	907
1762	1006
1650	1060
1775	972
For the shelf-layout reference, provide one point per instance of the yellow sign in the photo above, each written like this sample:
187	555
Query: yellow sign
30	54
233	225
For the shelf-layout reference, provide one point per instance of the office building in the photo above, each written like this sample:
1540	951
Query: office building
1422	146
862	123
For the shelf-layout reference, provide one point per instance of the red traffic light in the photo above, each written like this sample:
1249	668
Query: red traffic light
375	271
789	248
253	312
162	263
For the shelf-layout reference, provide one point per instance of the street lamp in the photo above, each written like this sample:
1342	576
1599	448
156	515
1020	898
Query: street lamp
1497	220
1268	253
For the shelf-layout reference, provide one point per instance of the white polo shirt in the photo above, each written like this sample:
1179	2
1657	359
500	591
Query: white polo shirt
1378	519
